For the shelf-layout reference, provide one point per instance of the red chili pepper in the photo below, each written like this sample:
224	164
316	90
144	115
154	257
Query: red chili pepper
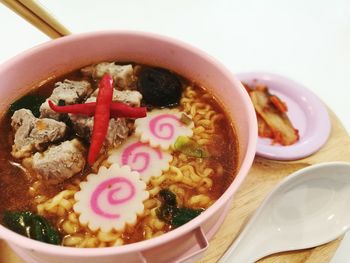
118	109
101	117
280	105
84	109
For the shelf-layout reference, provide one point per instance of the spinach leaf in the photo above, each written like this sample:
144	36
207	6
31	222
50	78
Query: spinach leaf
184	215
31	225
30	102
173	215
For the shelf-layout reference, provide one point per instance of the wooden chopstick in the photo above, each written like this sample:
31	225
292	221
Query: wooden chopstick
35	14
38	9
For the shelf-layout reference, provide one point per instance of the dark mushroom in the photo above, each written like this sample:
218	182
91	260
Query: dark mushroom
159	87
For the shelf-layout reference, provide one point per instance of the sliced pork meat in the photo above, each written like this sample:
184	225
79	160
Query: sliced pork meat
82	125
118	129
123	75
59	162
69	92
33	134
117	132
131	97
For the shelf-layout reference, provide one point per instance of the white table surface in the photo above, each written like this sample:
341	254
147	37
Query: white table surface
308	41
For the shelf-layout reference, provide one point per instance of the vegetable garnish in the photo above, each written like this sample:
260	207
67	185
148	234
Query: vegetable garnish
273	121
190	147
83	109
31	225
185	119
184	215
142	158
101	117
280	105
173	215
117	109
111	199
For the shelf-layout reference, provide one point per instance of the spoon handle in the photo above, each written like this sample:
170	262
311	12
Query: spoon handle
240	252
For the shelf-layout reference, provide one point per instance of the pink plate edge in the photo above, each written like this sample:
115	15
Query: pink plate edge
303	148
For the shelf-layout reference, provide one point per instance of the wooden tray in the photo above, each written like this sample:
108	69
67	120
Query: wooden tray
263	176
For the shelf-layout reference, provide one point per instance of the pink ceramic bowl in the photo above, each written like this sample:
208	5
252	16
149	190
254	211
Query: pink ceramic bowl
188	242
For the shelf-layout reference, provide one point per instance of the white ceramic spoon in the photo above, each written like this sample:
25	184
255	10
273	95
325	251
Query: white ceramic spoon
308	208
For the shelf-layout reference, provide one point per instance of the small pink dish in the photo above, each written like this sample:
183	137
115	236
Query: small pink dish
305	110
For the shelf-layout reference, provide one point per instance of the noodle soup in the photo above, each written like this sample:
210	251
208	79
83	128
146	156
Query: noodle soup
152	173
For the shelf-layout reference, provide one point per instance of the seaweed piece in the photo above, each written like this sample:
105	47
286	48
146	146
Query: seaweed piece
159	87
61	103
30	102
64	117
31	225
166	213
168	197
173	215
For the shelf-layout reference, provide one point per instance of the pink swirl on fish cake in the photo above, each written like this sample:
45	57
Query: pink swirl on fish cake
157	127
112	197
141	157
131	156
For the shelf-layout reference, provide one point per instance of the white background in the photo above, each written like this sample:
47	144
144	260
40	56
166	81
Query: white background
308	41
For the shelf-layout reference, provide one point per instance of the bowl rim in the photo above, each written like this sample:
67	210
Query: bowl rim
246	163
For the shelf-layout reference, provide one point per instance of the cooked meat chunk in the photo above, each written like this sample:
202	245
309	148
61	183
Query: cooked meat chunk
22	118
68	91
123	75
33	134
131	97
117	130
71	91
60	161
82	125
